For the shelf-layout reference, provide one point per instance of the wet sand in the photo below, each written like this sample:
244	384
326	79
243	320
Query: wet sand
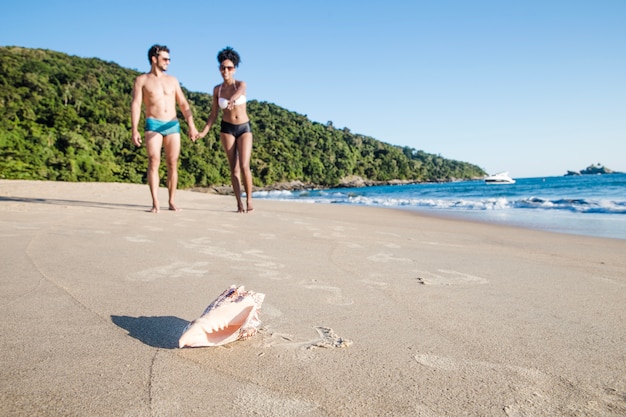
368	311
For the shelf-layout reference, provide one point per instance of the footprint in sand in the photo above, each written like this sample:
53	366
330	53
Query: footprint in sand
352	245
336	297
327	338
388	234
256	400
333	235
175	270
437	362
203	245
535	391
448	277
256	253
268	270
374	285
391	245
138	239
385	257
154	229
250	260
341	230
25	227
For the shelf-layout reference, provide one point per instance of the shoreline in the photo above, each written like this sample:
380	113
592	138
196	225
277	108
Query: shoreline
592	225
368	311
583	219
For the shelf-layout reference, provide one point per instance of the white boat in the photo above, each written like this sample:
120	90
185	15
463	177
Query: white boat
499	178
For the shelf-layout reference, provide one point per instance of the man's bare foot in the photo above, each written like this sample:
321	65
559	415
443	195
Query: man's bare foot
154	210
250	208
240	208
174	208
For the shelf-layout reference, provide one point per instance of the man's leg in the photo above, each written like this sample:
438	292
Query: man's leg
172	153
154	142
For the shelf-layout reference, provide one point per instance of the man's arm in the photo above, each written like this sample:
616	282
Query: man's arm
135	110
185	108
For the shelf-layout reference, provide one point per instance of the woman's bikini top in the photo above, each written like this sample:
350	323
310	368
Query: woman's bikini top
223	102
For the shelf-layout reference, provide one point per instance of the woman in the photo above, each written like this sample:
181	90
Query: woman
235	131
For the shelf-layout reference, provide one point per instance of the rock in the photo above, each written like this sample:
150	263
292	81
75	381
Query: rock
597	169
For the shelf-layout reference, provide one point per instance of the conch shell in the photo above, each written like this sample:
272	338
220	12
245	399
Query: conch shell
234	315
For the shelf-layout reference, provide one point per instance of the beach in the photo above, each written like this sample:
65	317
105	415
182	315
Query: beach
368	311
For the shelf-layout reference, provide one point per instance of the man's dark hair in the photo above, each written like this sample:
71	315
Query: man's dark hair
155	50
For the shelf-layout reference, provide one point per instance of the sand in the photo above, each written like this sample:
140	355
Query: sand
368	311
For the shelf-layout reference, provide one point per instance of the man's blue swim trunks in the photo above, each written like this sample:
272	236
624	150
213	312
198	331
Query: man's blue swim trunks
163	127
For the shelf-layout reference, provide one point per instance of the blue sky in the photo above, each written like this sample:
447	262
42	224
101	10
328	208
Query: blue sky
534	87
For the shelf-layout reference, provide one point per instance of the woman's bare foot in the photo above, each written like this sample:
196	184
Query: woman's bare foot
249	205
154	210
174	208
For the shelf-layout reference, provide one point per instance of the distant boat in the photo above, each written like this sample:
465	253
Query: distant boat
499	178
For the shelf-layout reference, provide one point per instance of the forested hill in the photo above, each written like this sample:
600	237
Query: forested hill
66	118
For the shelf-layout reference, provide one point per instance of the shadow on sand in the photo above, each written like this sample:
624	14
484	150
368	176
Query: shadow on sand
82	203
160	332
58	202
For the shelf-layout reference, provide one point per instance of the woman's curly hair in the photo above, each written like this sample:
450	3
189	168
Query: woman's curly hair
228	53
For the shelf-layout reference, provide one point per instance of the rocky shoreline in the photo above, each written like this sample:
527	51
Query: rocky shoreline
348	182
296	186
598	169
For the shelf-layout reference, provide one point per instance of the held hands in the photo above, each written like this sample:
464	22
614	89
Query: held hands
193	133
204	132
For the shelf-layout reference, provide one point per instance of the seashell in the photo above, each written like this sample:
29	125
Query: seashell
234	315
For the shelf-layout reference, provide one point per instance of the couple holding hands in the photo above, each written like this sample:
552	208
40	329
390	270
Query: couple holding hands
159	93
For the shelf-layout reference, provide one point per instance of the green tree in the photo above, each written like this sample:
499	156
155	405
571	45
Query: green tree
67	118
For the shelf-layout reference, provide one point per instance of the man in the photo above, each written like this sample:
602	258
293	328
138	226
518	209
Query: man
159	93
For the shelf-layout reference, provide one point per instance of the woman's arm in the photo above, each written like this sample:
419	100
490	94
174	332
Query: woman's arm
215	108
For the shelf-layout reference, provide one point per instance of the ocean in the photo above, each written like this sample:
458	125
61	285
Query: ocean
591	205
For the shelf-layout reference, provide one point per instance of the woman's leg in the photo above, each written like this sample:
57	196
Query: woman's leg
244	150
230	147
